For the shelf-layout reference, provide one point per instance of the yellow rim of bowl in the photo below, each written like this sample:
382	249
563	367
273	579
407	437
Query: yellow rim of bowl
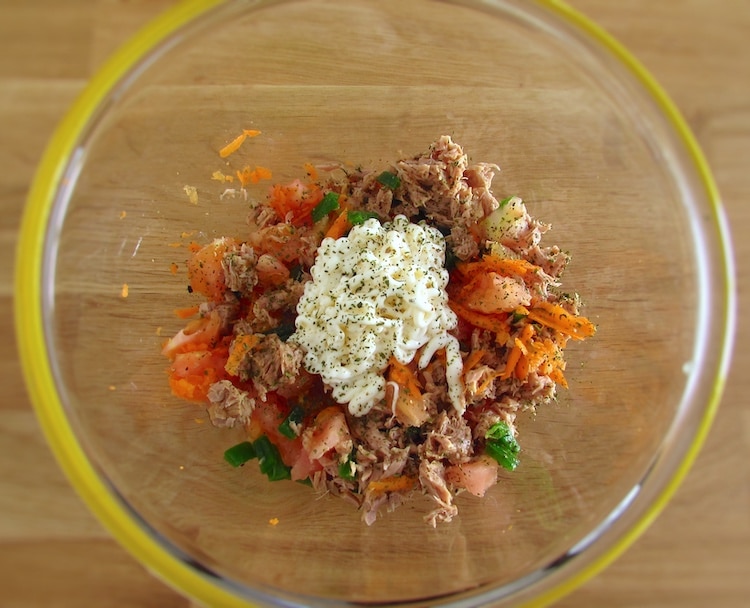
39	377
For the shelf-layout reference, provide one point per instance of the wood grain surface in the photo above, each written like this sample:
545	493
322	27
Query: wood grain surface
696	554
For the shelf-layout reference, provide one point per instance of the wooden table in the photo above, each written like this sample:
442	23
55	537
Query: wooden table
53	552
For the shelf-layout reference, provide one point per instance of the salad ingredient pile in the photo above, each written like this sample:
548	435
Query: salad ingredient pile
375	333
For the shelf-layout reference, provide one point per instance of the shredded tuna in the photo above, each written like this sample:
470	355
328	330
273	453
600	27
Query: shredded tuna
229	405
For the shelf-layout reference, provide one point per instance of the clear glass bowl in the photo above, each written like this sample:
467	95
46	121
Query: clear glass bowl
581	132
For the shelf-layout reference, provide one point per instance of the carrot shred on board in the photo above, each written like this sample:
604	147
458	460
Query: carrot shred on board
235	144
173	268
556	317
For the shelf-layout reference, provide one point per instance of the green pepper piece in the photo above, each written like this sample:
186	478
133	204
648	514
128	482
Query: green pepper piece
357	216
389	180
286	428
270	460
502	446
239	454
329	203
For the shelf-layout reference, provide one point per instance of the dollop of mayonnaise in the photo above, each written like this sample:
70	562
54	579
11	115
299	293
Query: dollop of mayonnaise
376	293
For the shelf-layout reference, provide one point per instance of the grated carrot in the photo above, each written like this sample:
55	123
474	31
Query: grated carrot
510	365
402	483
235	144
493	323
492	263
473	359
556	317
340	226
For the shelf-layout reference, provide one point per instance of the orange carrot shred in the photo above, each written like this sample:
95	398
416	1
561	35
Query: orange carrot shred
233	145
473	359
556	317
400	483
483	321
340	226
510	365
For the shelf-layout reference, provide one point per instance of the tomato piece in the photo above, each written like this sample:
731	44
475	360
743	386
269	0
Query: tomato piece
205	270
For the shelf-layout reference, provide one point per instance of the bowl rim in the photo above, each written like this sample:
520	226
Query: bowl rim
37	369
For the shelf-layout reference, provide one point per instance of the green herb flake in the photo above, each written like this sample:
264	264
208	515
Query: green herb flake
502	446
239	454
389	180
329	203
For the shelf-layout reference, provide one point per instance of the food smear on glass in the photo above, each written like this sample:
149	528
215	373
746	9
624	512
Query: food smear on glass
375	333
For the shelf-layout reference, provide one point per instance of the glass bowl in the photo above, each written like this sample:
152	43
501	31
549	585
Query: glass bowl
580	131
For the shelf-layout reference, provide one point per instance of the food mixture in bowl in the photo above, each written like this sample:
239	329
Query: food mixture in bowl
377	331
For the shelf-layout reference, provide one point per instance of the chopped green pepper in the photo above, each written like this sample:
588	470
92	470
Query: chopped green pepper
287	427
389	180
347	469
502	446
239	454
360	217
270	460
329	203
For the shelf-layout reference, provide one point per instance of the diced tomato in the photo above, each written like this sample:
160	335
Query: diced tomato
492	293
205	271
265	420
476	476
283	241
192	373
328	432
271	271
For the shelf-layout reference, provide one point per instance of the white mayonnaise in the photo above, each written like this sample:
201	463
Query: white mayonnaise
376	293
